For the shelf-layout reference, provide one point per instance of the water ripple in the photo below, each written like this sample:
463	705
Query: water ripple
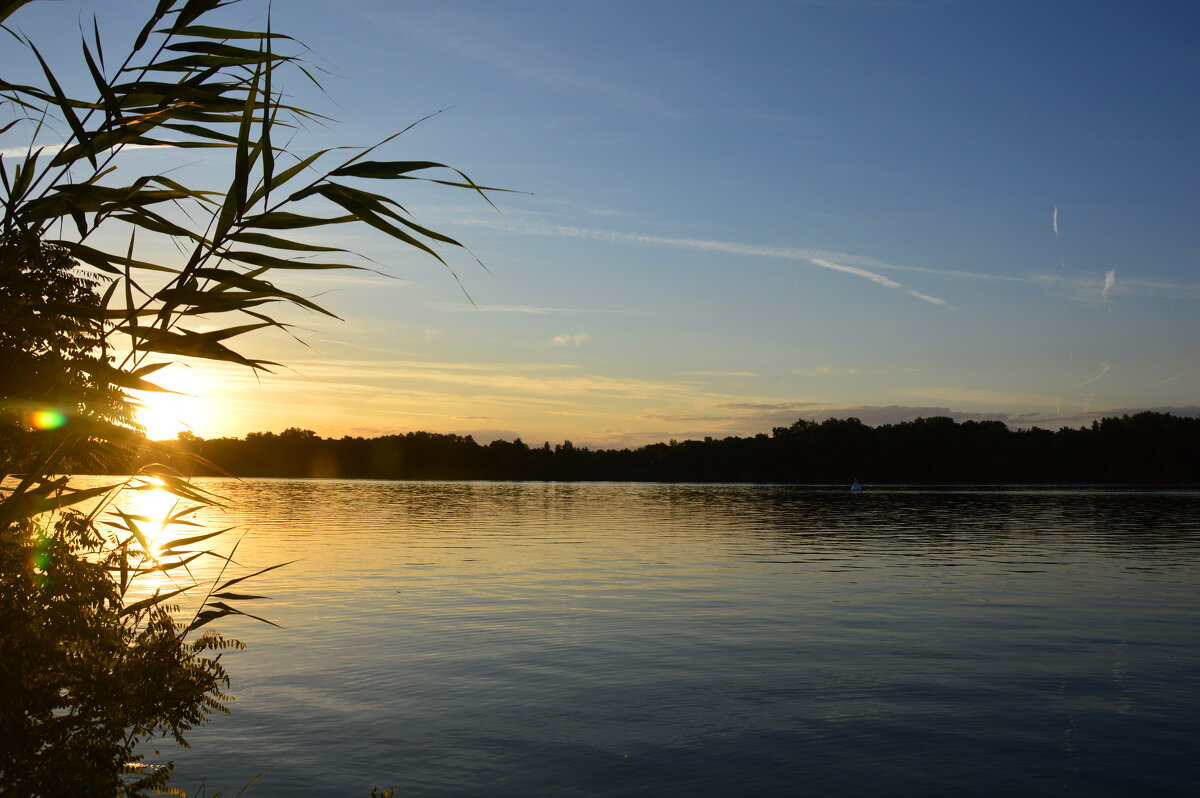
599	639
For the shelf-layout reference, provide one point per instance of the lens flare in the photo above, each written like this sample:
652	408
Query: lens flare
46	419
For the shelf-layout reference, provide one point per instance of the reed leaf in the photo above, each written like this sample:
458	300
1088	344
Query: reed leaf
362	207
156	599
108	262
184	84
182	562
63	105
205	346
116	376
221	605
7	7
131	525
210	32
275	262
287	220
47	498
275	242
112	105
172	545
233	582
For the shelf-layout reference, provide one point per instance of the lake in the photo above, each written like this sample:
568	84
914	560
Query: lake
650	639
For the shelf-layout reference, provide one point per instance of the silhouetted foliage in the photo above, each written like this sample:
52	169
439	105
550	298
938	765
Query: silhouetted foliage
50	345
1143	448
86	677
89	311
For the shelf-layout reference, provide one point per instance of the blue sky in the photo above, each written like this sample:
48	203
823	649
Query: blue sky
743	214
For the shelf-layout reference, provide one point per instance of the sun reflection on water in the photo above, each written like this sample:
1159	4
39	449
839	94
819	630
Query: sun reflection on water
153	520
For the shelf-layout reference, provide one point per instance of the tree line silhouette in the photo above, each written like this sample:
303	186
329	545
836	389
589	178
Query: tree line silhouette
1143	448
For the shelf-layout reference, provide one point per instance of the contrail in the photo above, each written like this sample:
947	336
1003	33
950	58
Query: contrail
1110	279
931	299
1079	288
1161	383
1054	221
876	278
872	276
1104	369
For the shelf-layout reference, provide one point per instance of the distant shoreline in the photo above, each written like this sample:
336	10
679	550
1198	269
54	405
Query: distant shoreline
882	487
1146	449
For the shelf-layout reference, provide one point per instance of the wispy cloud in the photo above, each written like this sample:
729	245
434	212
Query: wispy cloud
515	379
572	339
1110	280
506	46
828	371
50	149
396	367
344	278
955	393
689	418
717	374
1104	369
823	371
414	394
768	405
464	307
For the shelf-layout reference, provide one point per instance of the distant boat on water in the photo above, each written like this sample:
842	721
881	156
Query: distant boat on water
857	486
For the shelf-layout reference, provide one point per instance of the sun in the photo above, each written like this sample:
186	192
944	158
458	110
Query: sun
164	415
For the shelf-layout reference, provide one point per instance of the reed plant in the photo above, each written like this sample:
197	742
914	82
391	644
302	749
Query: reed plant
91	668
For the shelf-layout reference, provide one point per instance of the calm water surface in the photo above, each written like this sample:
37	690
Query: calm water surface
635	639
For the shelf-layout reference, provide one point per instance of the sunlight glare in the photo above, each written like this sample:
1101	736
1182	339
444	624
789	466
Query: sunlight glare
165	415
151	507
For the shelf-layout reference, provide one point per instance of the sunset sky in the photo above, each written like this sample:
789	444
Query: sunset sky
738	214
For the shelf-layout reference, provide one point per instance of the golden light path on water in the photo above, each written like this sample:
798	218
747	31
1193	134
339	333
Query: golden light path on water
155	521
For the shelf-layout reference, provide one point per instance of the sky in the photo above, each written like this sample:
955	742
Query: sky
729	216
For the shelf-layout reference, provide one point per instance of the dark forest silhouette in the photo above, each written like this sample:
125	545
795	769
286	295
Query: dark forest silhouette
1143	448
